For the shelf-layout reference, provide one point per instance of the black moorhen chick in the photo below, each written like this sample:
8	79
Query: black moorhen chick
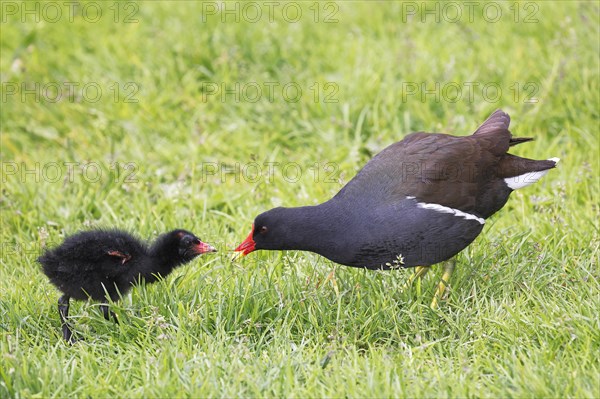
106	263
418	202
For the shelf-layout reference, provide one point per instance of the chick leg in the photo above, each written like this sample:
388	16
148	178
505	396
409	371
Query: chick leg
106	313
63	311
441	289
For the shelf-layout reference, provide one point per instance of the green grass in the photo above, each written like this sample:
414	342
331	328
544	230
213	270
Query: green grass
522	315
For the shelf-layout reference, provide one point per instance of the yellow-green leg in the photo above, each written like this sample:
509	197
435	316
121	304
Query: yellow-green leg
420	271
441	289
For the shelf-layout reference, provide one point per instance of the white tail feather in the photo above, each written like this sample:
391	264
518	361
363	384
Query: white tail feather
526	179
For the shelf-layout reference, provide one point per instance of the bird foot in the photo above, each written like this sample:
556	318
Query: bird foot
69	337
443	290
73	341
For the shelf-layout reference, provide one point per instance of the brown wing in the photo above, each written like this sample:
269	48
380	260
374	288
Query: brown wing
437	168
497	121
452	170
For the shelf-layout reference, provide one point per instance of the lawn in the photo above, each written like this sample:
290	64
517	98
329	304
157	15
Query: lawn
154	115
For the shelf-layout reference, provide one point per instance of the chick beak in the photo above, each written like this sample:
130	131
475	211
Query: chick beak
203	248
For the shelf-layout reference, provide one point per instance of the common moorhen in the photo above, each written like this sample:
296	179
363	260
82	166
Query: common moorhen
418	202
102	264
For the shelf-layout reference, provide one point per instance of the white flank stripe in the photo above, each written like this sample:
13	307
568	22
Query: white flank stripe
452	211
526	179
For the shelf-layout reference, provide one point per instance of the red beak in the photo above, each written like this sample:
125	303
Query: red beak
248	245
203	248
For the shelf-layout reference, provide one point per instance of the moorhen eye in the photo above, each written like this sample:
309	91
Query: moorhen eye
106	263
263	230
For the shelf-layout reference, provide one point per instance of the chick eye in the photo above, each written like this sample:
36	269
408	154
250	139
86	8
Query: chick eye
263	230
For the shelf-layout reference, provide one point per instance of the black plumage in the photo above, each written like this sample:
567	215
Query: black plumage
418	202
102	264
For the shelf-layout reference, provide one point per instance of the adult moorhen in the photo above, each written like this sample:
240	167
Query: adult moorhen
418	202
102	264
